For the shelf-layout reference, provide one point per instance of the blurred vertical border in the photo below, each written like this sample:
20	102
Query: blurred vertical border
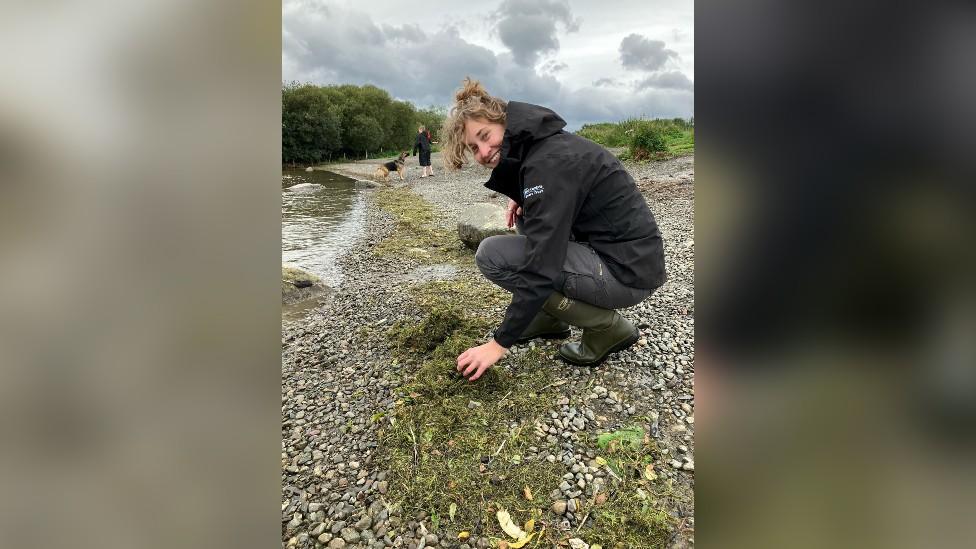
140	305
836	338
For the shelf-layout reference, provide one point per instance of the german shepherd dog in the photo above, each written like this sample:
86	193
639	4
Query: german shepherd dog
383	171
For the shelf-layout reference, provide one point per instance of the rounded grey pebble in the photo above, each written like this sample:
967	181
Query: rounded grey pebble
351	535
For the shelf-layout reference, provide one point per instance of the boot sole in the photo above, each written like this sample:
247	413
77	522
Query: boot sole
618	347
553	335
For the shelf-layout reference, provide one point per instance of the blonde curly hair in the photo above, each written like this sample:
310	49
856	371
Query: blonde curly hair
471	102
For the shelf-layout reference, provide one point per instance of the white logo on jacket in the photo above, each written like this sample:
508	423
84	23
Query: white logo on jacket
532	191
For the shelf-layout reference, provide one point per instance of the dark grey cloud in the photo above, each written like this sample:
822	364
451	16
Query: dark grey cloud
404	60
638	52
333	46
513	81
423	68
672	80
528	27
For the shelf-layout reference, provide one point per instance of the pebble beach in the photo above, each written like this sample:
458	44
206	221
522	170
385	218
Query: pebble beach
336	380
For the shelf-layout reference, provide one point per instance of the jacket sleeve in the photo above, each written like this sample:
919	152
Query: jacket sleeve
549	208
416	145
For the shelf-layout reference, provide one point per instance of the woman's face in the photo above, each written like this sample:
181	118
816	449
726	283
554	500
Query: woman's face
484	140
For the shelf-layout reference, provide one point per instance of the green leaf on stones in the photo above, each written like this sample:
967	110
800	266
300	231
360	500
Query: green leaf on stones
632	436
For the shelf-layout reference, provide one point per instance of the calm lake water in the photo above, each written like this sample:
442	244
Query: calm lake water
318	226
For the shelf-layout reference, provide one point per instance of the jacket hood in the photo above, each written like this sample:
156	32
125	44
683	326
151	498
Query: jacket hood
526	122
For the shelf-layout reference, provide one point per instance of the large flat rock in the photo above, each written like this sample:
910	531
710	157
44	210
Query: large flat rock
479	221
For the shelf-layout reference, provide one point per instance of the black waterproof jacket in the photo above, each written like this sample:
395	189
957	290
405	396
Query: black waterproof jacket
569	186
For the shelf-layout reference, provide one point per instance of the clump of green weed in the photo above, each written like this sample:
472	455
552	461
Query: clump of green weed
455	448
425	336
632	511
632	518
473	294
455	441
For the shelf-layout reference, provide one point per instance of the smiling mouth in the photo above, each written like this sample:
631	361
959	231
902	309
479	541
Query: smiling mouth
494	157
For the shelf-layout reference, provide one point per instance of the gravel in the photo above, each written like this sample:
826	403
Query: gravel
335	381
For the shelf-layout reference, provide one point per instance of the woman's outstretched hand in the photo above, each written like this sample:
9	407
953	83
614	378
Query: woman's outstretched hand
473	362
514	210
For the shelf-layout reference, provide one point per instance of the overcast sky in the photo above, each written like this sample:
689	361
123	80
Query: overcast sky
589	60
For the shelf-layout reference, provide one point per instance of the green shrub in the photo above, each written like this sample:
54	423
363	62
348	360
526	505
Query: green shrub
647	141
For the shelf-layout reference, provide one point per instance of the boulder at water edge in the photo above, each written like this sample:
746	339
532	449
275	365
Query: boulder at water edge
309	169
298	285
479	221
304	188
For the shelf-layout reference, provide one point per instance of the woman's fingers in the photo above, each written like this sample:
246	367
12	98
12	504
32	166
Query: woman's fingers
474	370
470	371
481	370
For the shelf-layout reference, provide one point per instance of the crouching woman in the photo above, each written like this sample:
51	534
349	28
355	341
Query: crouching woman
587	243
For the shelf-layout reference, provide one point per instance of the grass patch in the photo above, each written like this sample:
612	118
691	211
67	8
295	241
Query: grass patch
633	511
416	234
684	144
677	137
474	295
443	327
456	448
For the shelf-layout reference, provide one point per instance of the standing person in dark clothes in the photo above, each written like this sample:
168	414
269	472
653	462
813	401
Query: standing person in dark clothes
588	243
423	145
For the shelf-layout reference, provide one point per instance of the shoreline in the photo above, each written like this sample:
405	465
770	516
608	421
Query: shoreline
340	371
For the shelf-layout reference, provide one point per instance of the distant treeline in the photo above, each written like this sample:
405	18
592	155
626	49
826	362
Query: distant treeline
322	123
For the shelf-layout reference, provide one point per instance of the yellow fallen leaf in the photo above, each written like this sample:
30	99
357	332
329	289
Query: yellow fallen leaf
649	472
527	492
529	525
464	535
600	461
521	542
505	520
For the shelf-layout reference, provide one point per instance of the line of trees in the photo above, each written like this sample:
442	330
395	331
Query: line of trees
320	123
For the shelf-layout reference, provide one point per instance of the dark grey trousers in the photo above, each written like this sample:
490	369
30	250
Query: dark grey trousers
587	278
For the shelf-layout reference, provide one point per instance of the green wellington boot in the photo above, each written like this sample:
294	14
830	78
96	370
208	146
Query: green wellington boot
546	327
604	330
